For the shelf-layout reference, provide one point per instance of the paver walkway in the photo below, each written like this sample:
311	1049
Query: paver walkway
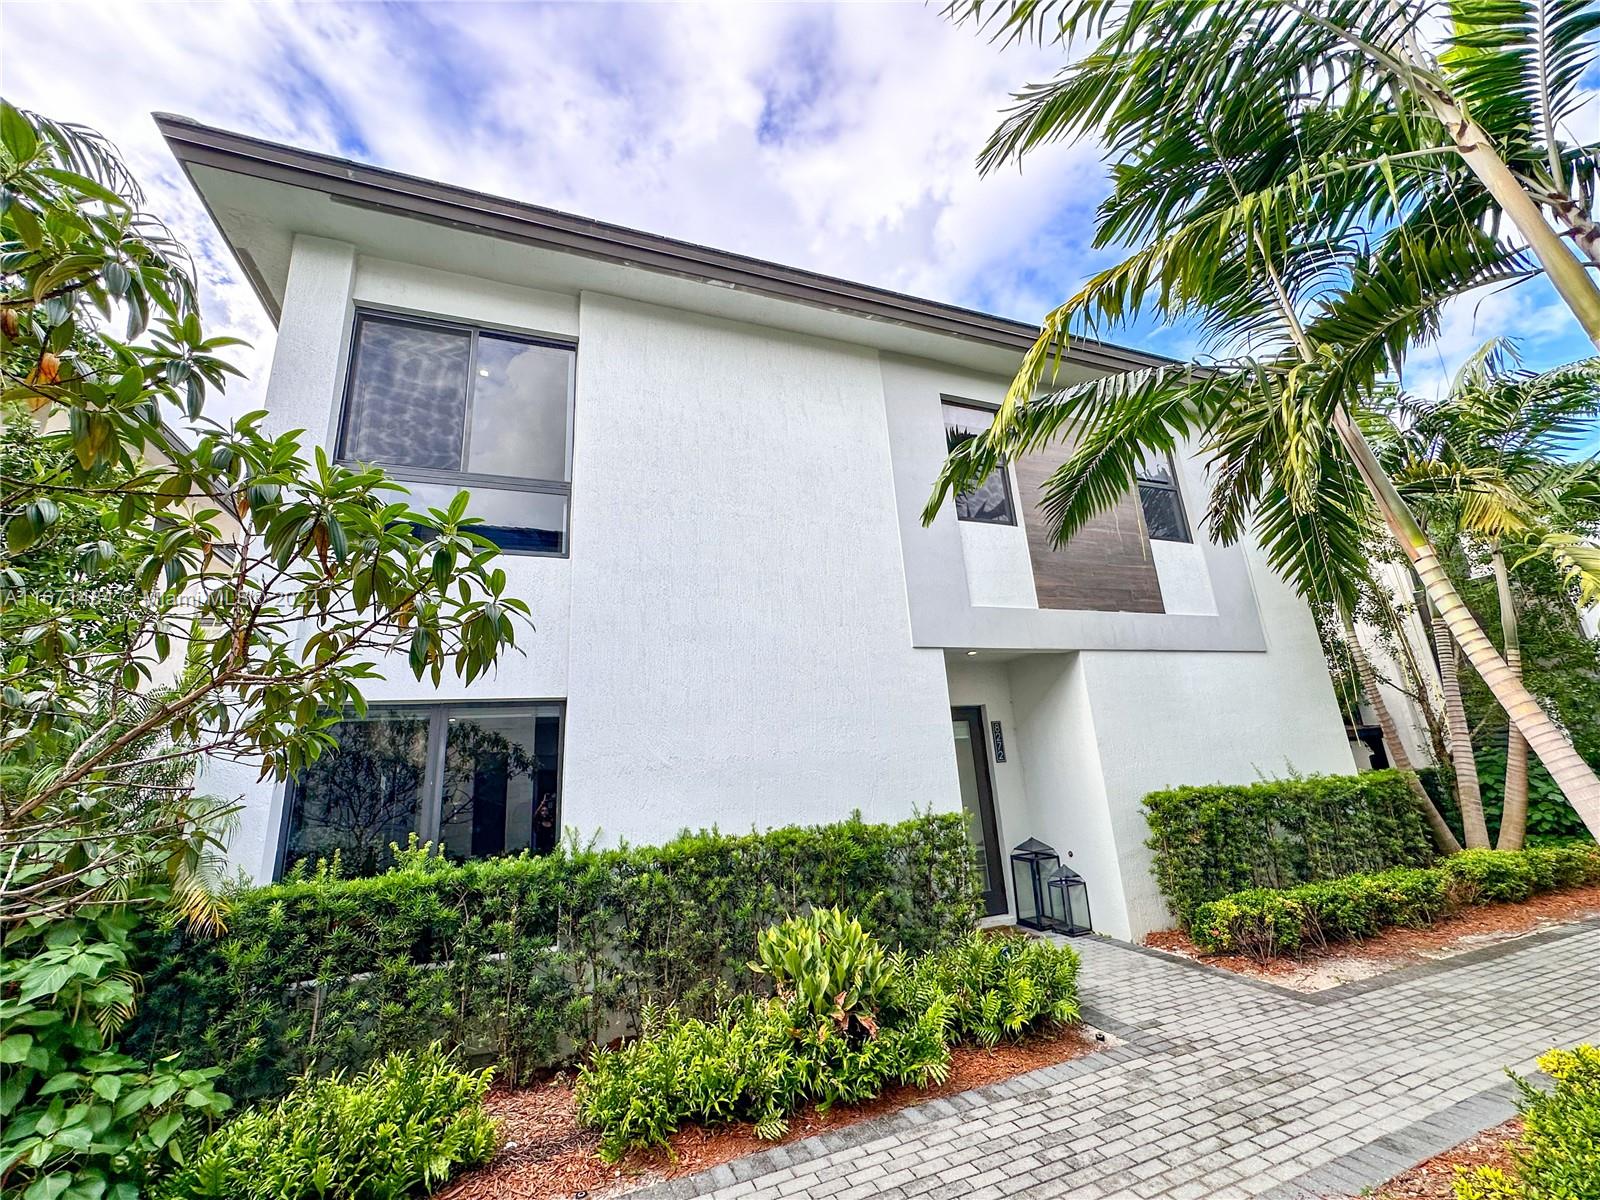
1224	1087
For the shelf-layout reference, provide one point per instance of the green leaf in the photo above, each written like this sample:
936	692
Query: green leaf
14	1047
48	1187
16	133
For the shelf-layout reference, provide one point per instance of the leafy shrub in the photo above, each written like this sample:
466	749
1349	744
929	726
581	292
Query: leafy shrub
757	1061
77	1118
526	958
1558	1156
1263	922
760	1060
407	1123
827	964
1212	841
1003	986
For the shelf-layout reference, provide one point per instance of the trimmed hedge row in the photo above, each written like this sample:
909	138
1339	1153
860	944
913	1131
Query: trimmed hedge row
1265	923
1215	840
523	960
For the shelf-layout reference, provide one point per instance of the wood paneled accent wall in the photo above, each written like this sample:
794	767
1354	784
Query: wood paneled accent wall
1106	567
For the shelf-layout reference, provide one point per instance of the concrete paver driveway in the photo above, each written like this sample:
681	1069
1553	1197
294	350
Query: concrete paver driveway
1224	1087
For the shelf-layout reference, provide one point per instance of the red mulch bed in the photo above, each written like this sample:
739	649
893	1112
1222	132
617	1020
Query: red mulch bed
1398	947
544	1155
1434	1179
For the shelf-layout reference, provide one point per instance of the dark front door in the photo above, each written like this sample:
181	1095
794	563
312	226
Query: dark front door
977	797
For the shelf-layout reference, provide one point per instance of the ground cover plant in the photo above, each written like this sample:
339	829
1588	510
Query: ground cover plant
847	1020
403	1126
1265	923
1558	1154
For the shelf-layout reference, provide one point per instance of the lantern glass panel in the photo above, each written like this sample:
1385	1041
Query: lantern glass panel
1022	885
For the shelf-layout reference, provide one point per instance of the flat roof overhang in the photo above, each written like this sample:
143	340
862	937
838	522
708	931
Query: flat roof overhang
203	150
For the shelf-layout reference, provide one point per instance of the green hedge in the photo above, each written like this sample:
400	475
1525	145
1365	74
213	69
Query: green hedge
1264	923
523	960
1215	840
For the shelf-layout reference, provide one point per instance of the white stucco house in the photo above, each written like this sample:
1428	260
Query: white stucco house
708	472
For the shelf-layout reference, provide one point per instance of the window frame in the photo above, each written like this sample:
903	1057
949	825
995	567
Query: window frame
435	475
1004	468
1177	492
433	765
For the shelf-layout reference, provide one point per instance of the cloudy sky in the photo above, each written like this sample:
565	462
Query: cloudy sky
835	137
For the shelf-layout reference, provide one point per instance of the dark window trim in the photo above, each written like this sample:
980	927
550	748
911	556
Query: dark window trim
1162	485
1005	464
507	483
433	773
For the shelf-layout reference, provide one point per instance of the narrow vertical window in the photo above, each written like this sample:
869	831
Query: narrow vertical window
989	501
1158	496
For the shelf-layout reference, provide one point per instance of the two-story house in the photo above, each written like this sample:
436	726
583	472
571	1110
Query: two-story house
707	472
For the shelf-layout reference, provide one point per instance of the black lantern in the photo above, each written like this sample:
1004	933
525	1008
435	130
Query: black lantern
1032	864
1069	902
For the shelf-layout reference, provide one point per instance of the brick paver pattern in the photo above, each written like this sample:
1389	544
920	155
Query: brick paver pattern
1222	1088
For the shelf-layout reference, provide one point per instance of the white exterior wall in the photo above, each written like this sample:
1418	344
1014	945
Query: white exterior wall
740	648
735	632
730	634
1168	719
998	568
1069	806
1407	711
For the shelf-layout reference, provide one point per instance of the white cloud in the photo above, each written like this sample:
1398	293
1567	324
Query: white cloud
1532	315
837	138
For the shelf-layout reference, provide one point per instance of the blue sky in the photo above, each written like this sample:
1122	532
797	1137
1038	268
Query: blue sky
835	137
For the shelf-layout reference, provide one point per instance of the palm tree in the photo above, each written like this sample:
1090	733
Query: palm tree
1491	465
1399	756
1257	147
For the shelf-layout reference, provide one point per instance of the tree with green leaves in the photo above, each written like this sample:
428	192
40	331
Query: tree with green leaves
161	599
1494	471
1309	183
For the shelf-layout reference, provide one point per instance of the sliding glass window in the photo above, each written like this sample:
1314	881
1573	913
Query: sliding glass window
446	406
477	779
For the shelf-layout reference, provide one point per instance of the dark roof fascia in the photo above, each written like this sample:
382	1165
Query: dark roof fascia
194	144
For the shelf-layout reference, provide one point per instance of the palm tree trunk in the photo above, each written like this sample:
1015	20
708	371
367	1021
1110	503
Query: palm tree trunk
1469	795
1567	275
1412	666
1575	777
1514	814
1442	837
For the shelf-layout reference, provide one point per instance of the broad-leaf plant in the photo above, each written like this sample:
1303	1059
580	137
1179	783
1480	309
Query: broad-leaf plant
165	596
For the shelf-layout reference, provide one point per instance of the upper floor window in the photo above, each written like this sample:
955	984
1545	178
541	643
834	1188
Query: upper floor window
1158	496
989	501
442	404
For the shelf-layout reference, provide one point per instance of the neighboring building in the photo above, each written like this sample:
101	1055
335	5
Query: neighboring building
710	473
1397	666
